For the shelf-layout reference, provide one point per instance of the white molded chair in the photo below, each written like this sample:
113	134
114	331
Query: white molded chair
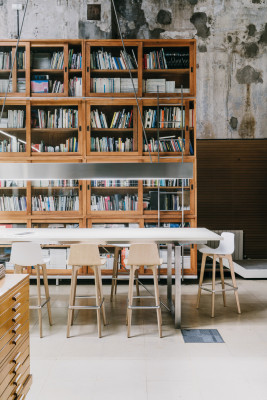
29	254
143	254
86	255
225	250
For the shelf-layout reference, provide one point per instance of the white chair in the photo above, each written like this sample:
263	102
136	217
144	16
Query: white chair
225	250
29	254
143	254
86	255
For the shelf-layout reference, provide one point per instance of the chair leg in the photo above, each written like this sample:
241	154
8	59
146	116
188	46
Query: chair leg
137	283
72	290
156	287
222	279
114	273
47	293
101	296
204	257
213	286
130	300
231	265
39	300
98	301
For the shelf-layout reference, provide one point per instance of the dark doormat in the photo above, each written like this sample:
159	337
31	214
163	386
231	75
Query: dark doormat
202	336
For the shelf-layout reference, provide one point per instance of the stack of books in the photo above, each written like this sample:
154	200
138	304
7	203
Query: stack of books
110	144
104	60
166	146
75	60
120	120
13	119
21	85
114	183
12	146
57	60
56	183
5	60
114	202
155	60
113	85
55	203
58	118
75	87
71	146
169	117
13	203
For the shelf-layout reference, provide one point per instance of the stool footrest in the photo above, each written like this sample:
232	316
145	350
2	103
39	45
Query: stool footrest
41	306
143	307
143	297
86	307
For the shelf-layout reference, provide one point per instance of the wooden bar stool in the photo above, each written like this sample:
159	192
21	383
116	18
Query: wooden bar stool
29	254
87	255
225	250
143	254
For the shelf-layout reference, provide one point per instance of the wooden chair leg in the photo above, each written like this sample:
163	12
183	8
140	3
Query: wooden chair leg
98	301
137	283
213	286
204	257
231	265
156	287
72	289
39	300
130	300
76	269
114	273
47	293
101	296
222	279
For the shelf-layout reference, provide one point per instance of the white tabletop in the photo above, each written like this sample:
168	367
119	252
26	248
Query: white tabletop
108	235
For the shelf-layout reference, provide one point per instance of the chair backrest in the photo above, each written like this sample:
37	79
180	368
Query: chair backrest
26	254
84	254
143	254
227	245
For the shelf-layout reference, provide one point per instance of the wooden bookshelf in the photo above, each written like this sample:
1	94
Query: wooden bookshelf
107	103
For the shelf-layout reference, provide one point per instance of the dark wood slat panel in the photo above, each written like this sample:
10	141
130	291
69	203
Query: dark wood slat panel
232	189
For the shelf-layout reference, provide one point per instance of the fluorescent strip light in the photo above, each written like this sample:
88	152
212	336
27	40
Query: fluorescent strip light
84	171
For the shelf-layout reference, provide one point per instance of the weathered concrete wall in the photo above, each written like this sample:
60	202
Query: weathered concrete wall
232	42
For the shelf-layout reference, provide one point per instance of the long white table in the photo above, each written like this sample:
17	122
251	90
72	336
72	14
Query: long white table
170	236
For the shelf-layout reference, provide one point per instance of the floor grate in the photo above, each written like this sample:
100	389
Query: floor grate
201	336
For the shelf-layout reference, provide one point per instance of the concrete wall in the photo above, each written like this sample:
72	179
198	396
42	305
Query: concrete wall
231	57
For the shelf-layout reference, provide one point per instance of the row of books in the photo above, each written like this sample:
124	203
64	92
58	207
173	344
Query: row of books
13	203
13	119
155	60
10	183
43	84
21	60
71	146
168	225
160	85
166	182
168	202
120	120
75	87
75	60
110	144
56	183
56	118
12	146
114	183
5	59
170	145
103	60
114	202
113	85
169	117
57	60
55	203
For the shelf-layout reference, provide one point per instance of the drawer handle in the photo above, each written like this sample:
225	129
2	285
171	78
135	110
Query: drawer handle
18	388
16	339
16	307
16	328
14	319
16	296
16	357
16	368
16	381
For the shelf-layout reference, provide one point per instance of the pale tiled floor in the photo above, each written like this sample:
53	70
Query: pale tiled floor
145	367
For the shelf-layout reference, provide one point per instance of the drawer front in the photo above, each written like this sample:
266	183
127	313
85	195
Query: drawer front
14	300
14	329
13	318
15	341
26	388
15	389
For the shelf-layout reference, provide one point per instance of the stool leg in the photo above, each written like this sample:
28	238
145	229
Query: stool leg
114	273
74	292
201	277
137	283
101	296
39	300
222	279
213	286
98	301
231	265
47	293
72	289
130	300
18	269
156	287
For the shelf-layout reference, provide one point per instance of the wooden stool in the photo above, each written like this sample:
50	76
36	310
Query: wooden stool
86	254
143	254
25	254
225	250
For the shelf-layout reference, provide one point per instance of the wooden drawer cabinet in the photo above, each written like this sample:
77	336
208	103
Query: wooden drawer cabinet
15	378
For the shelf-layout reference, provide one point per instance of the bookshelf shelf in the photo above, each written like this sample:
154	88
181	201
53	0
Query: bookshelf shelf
77	53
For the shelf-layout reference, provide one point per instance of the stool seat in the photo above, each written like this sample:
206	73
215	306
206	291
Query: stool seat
209	250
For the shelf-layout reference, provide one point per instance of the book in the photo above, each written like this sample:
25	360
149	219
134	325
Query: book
116	202
110	144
